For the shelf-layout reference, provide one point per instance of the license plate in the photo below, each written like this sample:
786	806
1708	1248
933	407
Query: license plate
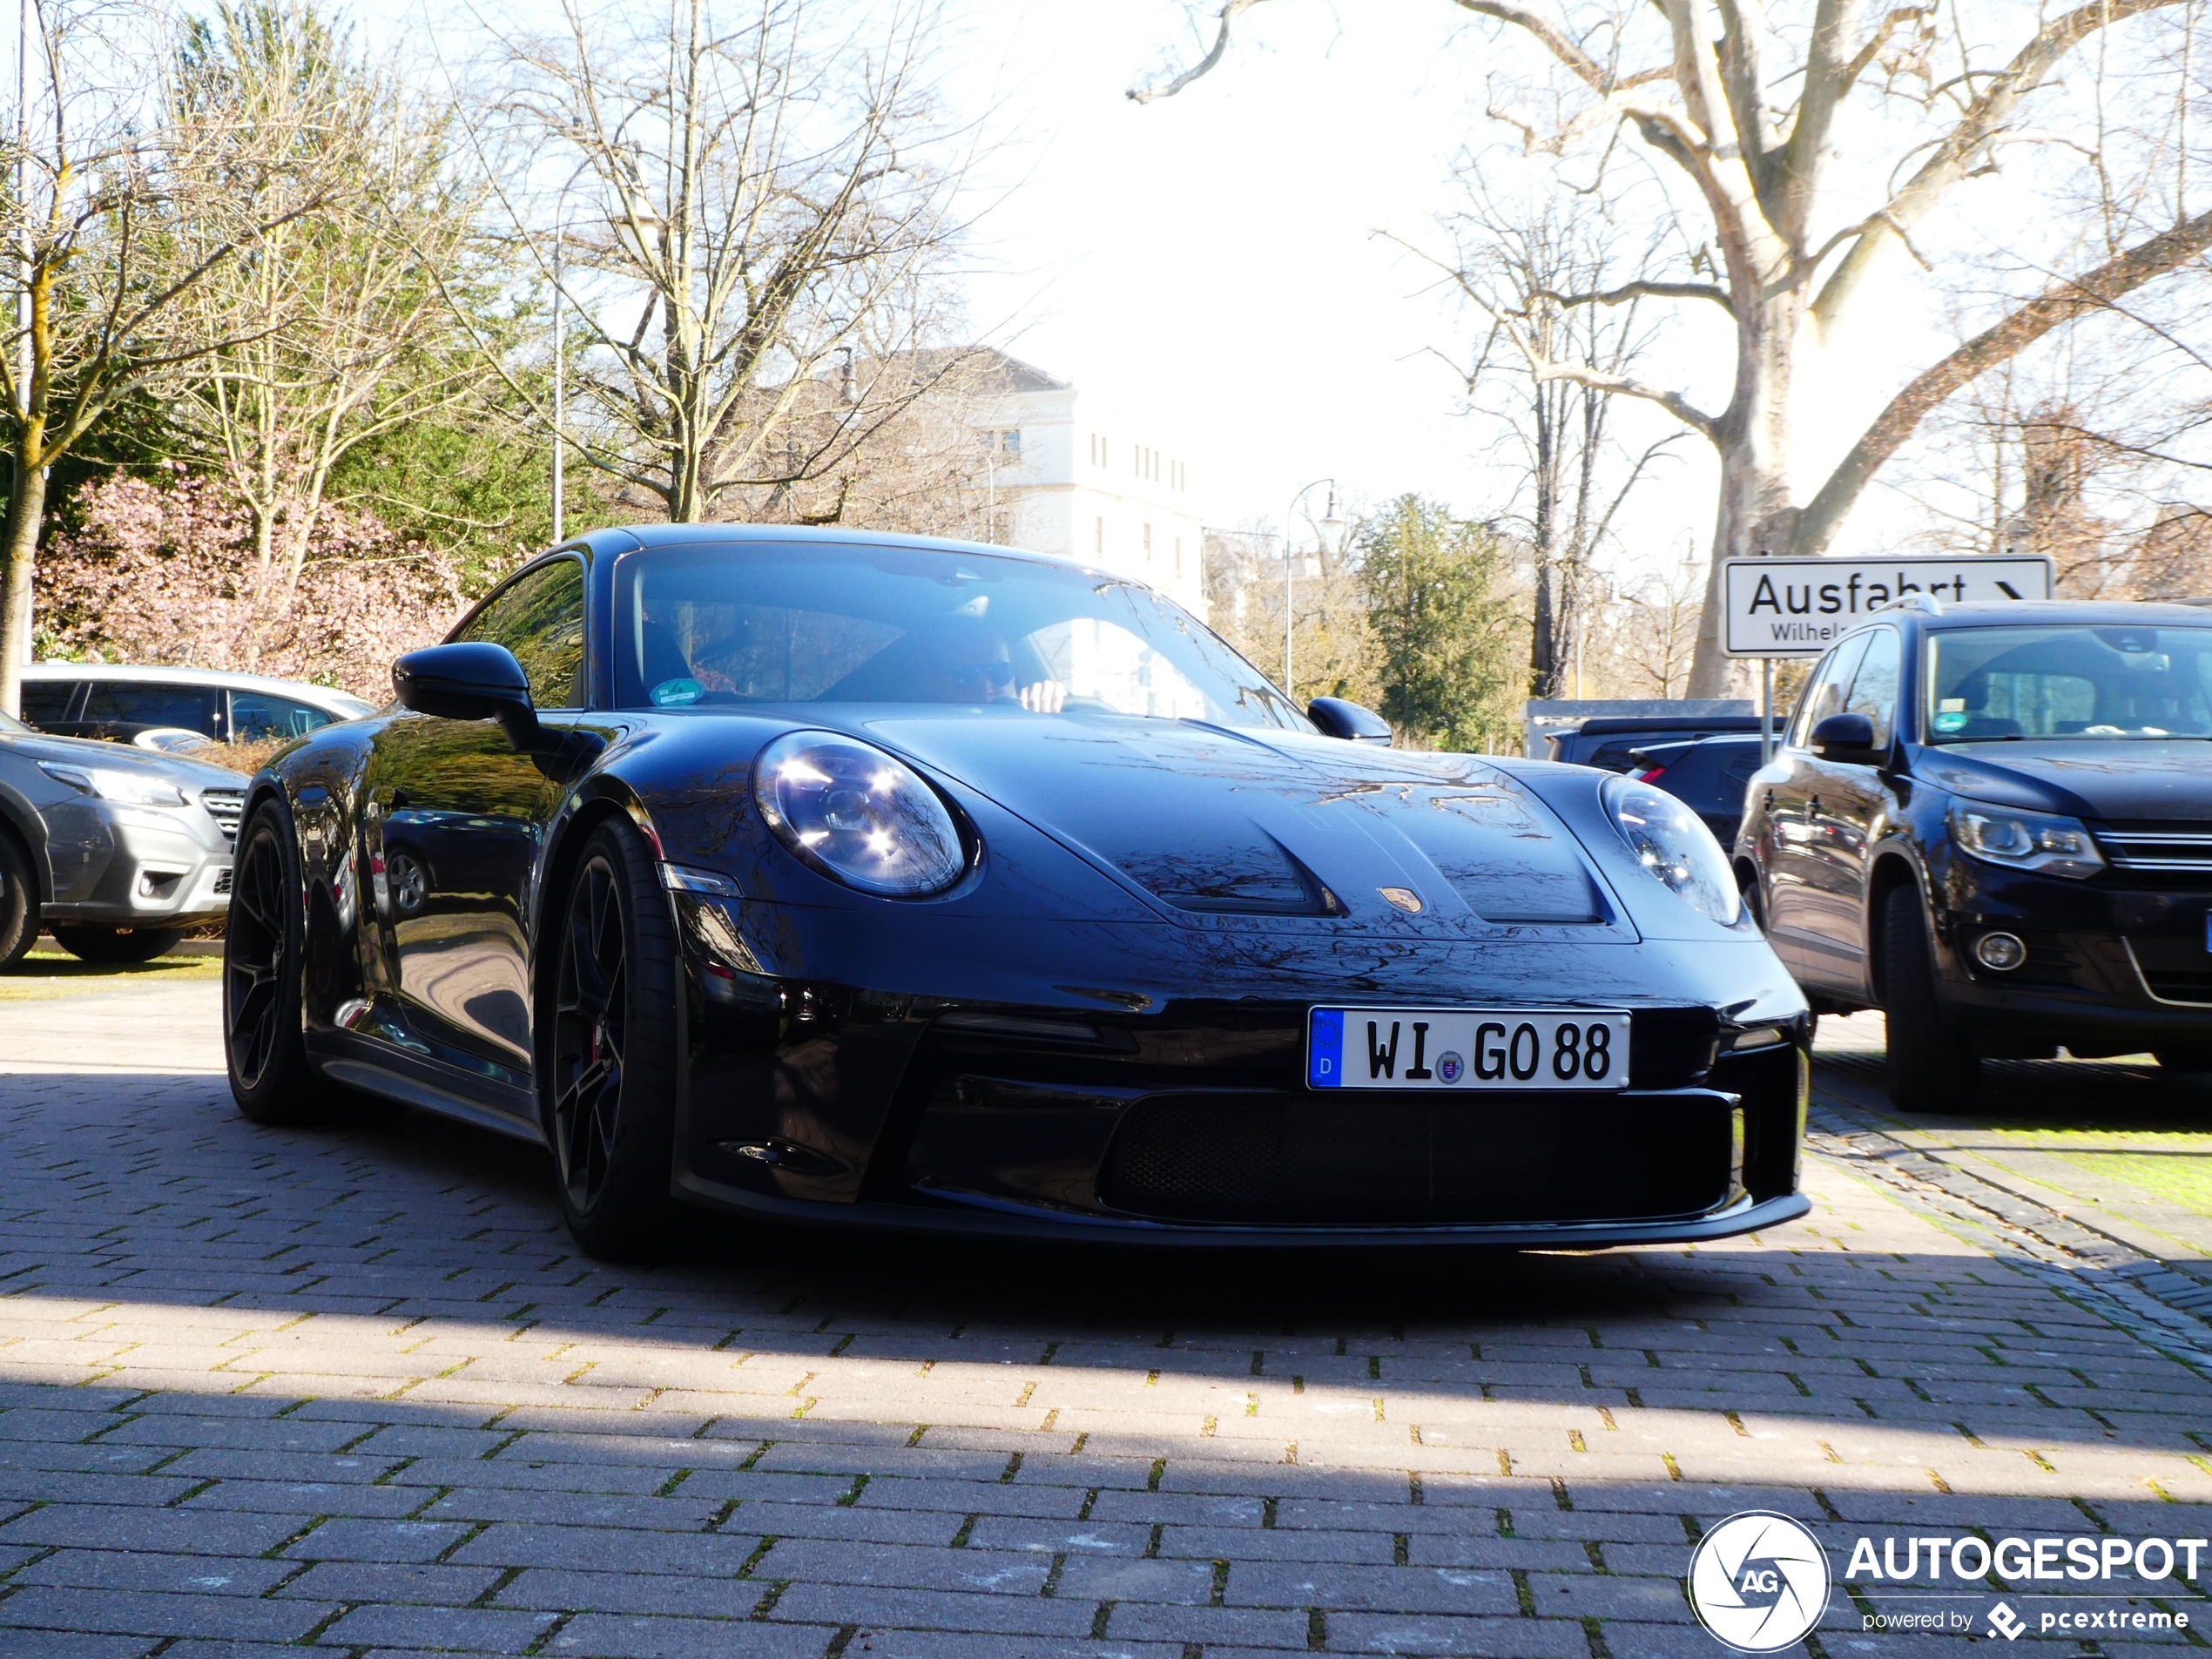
1467	1048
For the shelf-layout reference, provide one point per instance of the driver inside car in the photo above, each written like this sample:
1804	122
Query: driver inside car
966	660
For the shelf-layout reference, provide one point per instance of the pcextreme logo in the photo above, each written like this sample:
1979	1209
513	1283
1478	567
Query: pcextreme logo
1758	1582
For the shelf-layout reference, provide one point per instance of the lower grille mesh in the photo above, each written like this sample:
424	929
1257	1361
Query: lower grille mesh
1502	1158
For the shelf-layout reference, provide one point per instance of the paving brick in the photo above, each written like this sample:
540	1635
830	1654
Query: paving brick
153	1614
441	1628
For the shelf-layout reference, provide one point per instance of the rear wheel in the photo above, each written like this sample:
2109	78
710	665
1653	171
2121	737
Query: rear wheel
19	901
609	1088
270	1077
117	944
1932	1067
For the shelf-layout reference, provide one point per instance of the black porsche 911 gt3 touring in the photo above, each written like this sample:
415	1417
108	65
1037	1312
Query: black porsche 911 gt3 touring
849	877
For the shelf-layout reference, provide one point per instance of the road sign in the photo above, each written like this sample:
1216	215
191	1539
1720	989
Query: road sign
1800	607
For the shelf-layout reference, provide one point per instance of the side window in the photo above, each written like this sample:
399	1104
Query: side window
540	618
256	714
1823	693
1873	689
46	702
149	702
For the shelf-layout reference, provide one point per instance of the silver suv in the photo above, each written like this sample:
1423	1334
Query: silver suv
118	851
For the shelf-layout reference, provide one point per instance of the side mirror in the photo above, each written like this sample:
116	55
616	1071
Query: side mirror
1339	716
473	680
1847	738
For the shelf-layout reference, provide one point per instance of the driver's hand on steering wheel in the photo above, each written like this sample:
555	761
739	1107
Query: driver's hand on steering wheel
1043	697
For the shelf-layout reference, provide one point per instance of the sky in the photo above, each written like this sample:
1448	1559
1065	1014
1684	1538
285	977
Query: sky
1235	267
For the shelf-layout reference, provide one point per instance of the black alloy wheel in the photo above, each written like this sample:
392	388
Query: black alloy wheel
270	1077
117	944
608	1085
19	901
1932	1067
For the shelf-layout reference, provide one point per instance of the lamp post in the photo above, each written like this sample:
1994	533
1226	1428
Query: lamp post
560	379
1330	526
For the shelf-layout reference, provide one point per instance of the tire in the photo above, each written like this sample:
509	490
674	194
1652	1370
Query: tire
263	1044
19	901
609	1047
116	944
1746	884
1932	1067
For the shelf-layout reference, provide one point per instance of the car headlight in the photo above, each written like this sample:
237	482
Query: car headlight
857	814
127	788
1673	844
2040	842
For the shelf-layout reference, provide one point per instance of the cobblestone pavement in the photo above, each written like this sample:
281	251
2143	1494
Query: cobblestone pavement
352	1390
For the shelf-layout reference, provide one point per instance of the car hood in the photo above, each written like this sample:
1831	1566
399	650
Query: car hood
89	752
2143	779
1209	820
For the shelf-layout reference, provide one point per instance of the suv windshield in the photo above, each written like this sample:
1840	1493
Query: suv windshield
1985	684
718	624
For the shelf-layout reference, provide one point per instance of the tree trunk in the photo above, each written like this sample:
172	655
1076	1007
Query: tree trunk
19	566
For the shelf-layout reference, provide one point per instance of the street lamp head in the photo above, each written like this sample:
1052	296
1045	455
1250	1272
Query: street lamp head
1332	529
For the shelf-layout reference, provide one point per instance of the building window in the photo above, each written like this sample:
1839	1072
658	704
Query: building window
1001	443
1097	448
1148	544
1098	538
1178	558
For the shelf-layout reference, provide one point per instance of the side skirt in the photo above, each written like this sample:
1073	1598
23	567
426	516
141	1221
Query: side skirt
377	1068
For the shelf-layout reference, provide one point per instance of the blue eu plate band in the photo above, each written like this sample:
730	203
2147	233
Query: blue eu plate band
1325	1049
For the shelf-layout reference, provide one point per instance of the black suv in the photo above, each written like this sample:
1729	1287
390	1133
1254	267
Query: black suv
1994	823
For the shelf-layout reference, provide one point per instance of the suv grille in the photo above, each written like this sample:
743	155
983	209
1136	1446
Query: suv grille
2164	851
1261	1157
224	806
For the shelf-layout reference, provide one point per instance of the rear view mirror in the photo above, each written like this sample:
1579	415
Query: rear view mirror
473	680
1339	716
1846	737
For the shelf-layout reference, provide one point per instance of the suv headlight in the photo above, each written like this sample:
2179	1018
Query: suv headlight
858	815
1672	843
2040	842
128	788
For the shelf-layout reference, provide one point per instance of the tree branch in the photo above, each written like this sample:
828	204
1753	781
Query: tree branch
1226	18
1674	403
1641	289
2058	305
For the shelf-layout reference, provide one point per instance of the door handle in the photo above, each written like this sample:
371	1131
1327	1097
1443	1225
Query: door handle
1813	808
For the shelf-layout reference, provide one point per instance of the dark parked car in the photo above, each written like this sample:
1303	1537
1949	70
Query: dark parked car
1610	741
1710	775
863	879
1995	822
116	851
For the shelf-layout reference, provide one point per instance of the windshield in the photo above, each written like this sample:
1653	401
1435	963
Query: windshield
1986	685
722	625
11	727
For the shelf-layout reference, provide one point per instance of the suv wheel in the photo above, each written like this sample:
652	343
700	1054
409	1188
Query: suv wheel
19	901
117	944
1932	1069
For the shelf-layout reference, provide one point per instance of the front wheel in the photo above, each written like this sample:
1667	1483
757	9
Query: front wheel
608	1069
263	1045
117	944
1932	1067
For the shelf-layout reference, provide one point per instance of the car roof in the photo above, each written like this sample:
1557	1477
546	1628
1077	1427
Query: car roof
324	696
2103	613
628	537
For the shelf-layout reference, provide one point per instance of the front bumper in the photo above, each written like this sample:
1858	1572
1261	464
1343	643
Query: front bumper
1188	1120
2112	967
136	866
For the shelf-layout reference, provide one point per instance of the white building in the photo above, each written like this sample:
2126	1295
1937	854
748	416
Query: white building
1069	474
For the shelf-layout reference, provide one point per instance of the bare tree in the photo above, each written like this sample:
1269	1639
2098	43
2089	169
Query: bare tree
101	169
1746	110
337	332
1516	261
748	211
